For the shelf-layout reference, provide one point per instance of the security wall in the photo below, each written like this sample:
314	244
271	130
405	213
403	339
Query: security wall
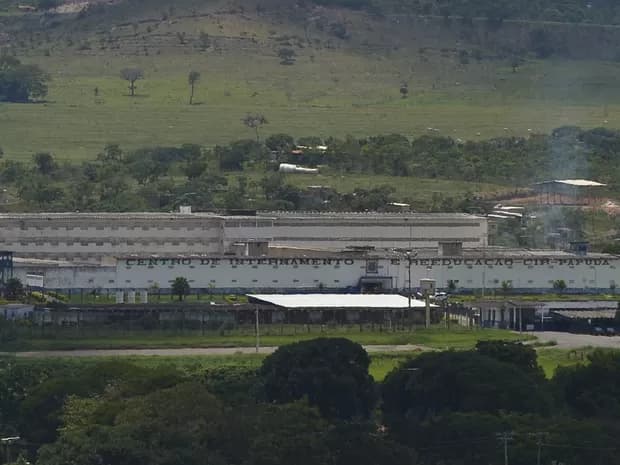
240	274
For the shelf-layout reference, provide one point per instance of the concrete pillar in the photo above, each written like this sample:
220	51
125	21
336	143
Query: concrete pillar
144	296
131	297
120	297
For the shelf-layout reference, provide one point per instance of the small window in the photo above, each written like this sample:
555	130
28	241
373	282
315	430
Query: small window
128	280
372	266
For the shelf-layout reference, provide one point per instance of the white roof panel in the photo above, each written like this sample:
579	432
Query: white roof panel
580	182
575	182
339	300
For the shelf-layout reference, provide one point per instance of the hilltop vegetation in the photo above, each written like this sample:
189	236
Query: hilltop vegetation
600	11
311	70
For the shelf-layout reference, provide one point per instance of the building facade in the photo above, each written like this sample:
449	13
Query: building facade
488	270
97	237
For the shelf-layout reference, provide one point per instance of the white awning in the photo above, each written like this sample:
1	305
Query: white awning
339	300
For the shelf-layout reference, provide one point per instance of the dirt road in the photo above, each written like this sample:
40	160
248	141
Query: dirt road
574	341
188	351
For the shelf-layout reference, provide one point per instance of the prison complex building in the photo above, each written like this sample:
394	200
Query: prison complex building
97	237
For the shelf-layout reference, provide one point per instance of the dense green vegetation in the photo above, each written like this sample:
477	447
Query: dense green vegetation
431	411
602	11
19	82
243	173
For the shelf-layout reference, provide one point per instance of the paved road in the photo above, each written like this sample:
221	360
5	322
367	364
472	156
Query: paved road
574	341
189	351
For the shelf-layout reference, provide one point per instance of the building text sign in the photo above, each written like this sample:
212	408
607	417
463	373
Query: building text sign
504	261
239	261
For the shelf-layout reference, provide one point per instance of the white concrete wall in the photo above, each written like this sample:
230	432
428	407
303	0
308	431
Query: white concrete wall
306	273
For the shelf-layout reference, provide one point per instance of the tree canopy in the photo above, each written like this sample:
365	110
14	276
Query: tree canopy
331	373
438	383
21	83
591	390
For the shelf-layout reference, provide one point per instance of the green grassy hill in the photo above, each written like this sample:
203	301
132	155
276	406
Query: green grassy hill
349	67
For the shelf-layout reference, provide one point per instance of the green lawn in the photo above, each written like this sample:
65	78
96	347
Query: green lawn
274	336
344	88
380	363
550	359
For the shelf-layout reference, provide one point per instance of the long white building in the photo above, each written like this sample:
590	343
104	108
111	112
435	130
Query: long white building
485	269
97	237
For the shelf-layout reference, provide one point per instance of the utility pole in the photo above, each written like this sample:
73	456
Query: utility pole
257	329
505	437
539	444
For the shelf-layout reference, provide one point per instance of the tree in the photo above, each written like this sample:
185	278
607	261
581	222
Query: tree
13	289
192	79
47	4
280	143
180	287
515	62
559	285
20	83
44	163
506	287
287	56
438	383
132	75
404	90
255	121
515	353
331	373
591	390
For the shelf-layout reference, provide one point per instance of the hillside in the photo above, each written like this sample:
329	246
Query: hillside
347	67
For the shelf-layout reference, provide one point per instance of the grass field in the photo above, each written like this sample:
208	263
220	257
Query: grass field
381	363
335	88
275	336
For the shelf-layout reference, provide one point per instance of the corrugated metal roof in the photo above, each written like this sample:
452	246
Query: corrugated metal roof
580	305
338	300
586	314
